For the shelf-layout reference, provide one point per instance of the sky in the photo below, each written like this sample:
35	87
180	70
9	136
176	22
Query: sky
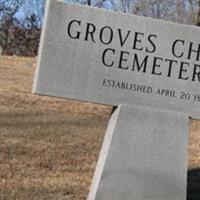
31	5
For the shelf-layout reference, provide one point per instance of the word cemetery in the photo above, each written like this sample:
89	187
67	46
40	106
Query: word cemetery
150	70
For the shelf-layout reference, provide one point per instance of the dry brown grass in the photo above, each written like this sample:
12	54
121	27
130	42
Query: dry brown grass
49	146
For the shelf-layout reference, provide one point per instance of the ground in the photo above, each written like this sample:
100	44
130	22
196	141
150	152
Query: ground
49	146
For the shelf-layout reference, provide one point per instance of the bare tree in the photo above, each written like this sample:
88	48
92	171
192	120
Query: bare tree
89	2
8	10
198	15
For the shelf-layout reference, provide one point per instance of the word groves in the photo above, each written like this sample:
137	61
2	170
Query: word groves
140	42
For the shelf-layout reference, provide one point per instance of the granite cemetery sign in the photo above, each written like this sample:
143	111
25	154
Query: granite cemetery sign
151	69
111	58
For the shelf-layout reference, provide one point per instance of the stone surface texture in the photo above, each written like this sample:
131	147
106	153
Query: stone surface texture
146	156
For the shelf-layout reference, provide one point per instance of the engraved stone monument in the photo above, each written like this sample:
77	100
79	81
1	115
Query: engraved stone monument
150	69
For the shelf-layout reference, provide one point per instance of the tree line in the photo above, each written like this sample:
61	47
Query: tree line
21	20
20	26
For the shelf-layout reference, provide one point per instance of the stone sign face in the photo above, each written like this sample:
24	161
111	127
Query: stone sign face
113	58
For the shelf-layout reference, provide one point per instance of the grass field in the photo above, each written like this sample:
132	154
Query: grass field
49	146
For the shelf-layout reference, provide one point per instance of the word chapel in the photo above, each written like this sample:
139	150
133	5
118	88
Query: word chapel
137	42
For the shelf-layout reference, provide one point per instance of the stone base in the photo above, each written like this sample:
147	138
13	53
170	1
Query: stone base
144	156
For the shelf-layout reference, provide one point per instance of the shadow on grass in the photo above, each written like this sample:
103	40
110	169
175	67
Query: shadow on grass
193	188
